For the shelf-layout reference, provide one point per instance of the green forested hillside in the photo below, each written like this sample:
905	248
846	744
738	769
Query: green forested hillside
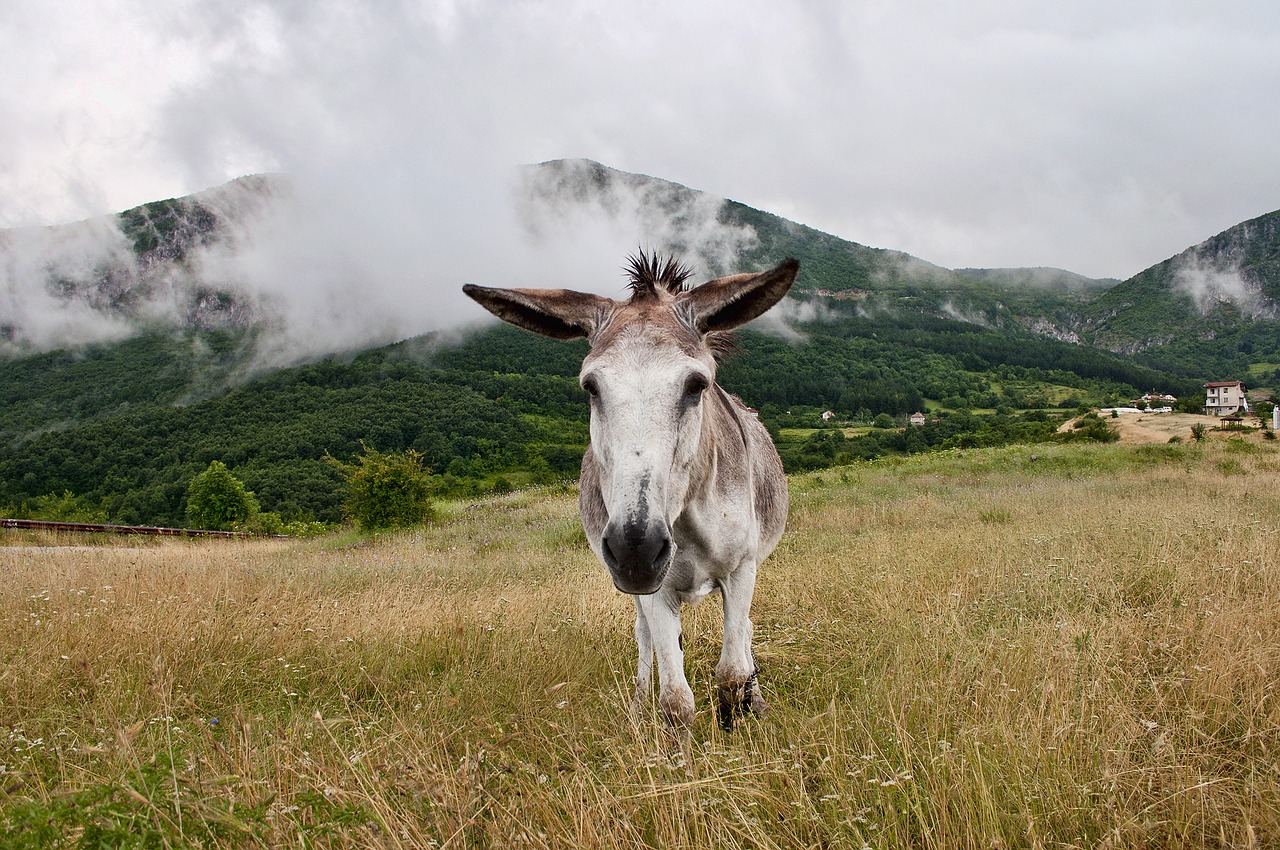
1214	307
126	427
1212	311
122	428
135	459
877	278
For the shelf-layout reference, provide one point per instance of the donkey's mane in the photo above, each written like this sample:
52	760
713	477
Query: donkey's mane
648	272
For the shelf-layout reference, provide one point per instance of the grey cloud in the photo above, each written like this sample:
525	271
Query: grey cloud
41	270
1097	137
1211	286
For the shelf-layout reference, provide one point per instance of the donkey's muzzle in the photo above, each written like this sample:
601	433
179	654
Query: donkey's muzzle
637	555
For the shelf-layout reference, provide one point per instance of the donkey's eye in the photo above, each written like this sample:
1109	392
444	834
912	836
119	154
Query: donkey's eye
694	386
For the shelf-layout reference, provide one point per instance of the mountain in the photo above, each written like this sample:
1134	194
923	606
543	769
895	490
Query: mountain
1059	280
1206	310
132	357
1216	304
831	268
1211	311
105	278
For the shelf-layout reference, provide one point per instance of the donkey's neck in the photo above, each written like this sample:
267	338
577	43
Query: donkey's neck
722	450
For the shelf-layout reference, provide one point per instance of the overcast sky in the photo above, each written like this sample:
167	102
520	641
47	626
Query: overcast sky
1100	136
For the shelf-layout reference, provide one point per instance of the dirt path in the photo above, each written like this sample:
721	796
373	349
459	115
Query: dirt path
1140	428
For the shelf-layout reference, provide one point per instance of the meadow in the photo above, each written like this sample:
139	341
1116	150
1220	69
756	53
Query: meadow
1064	645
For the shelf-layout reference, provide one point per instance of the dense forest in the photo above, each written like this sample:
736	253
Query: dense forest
123	429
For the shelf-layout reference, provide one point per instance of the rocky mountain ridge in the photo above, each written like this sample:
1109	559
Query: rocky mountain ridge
149	265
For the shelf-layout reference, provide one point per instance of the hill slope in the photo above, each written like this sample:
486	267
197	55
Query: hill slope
1215	304
123	424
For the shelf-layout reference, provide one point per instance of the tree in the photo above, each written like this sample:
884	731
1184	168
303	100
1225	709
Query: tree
1190	404
387	490
218	500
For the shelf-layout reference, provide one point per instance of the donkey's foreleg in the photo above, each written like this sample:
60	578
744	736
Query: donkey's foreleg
644	669
661	612
738	690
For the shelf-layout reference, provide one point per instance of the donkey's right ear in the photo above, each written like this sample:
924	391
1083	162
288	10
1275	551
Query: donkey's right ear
557	313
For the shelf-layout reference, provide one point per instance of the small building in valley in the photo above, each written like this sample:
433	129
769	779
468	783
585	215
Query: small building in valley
917	418
1223	398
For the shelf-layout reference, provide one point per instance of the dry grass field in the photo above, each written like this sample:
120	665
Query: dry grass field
1046	646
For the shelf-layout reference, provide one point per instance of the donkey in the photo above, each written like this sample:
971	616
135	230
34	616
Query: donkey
682	491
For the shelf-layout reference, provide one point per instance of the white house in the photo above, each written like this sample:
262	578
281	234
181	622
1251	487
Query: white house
917	418
1222	398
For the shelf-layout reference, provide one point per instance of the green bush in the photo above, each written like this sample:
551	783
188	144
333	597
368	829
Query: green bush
387	490
218	500
64	507
265	523
1090	427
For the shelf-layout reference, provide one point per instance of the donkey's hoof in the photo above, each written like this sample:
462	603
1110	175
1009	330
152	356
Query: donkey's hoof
735	699
677	709
739	698
728	702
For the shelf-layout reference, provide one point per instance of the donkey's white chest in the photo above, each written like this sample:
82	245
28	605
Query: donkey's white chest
698	592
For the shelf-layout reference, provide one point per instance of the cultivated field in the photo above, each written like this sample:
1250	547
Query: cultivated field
1048	646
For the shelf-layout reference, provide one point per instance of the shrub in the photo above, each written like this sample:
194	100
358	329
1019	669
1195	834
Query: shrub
64	507
1198	431
1090	427
218	500
266	523
387	490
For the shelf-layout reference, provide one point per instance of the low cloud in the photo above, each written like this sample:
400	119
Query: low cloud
59	285
1211	286
783	319
325	264
971	317
582	197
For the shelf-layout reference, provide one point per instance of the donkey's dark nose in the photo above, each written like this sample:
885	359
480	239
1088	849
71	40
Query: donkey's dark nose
637	554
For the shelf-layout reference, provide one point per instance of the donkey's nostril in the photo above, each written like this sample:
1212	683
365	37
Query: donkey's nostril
663	554
610	559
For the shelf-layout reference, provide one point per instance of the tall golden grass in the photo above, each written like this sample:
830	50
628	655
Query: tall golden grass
1055	646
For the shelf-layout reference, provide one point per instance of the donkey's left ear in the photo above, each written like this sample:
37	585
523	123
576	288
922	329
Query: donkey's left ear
557	313
728	302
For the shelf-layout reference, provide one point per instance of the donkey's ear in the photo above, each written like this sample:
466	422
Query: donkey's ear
557	313
727	302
